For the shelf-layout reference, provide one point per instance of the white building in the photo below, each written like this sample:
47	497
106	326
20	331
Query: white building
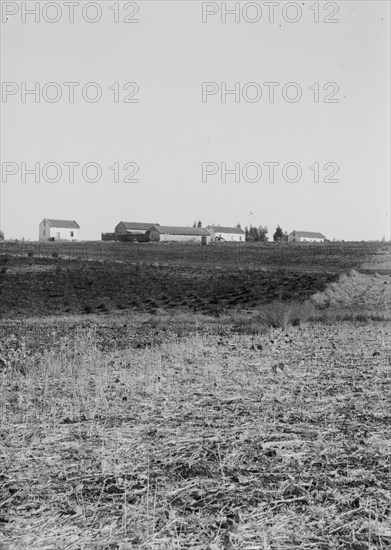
58	230
305	237
230	234
179	234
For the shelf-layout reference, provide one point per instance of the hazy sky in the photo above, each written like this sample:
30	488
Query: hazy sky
170	132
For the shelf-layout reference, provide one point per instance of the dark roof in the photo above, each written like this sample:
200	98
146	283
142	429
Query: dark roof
173	230
137	225
310	234
65	224
220	229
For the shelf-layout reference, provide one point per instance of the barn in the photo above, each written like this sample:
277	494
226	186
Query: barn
127	232
229	234
178	234
58	230
305	237
133	228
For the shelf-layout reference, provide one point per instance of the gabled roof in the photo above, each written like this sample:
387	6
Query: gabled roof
220	229
310	234
137	225
173	230
63	224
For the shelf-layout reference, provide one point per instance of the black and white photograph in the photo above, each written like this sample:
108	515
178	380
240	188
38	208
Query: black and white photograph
195	275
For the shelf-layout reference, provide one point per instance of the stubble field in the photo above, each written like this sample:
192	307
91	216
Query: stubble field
259	424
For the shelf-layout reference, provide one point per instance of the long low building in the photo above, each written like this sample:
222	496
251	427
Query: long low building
226	234
305	237
178	234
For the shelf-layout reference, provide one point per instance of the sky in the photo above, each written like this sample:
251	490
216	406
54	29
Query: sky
157	137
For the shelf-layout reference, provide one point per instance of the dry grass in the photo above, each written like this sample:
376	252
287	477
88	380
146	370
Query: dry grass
357	289
200	443
355	297
282	314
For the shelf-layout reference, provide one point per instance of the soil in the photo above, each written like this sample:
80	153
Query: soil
55	287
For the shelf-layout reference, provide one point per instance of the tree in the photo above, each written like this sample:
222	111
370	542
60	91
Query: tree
278	235
257	234
199	224
262	232
1	235
254	233
195	224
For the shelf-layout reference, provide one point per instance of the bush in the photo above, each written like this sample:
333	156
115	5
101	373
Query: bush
282	314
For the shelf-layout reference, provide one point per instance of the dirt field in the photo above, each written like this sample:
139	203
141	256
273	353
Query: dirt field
331	256
194	409
89	287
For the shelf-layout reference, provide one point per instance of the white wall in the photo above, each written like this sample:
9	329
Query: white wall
297	238
44	232
230	237
307	240
182	238
58	233
64	234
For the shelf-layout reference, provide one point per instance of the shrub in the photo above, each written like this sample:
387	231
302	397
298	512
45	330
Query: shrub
280	314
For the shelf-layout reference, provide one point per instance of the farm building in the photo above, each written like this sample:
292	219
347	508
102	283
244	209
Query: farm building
178	234
58	230
305	237
129	232
231	234
133	228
